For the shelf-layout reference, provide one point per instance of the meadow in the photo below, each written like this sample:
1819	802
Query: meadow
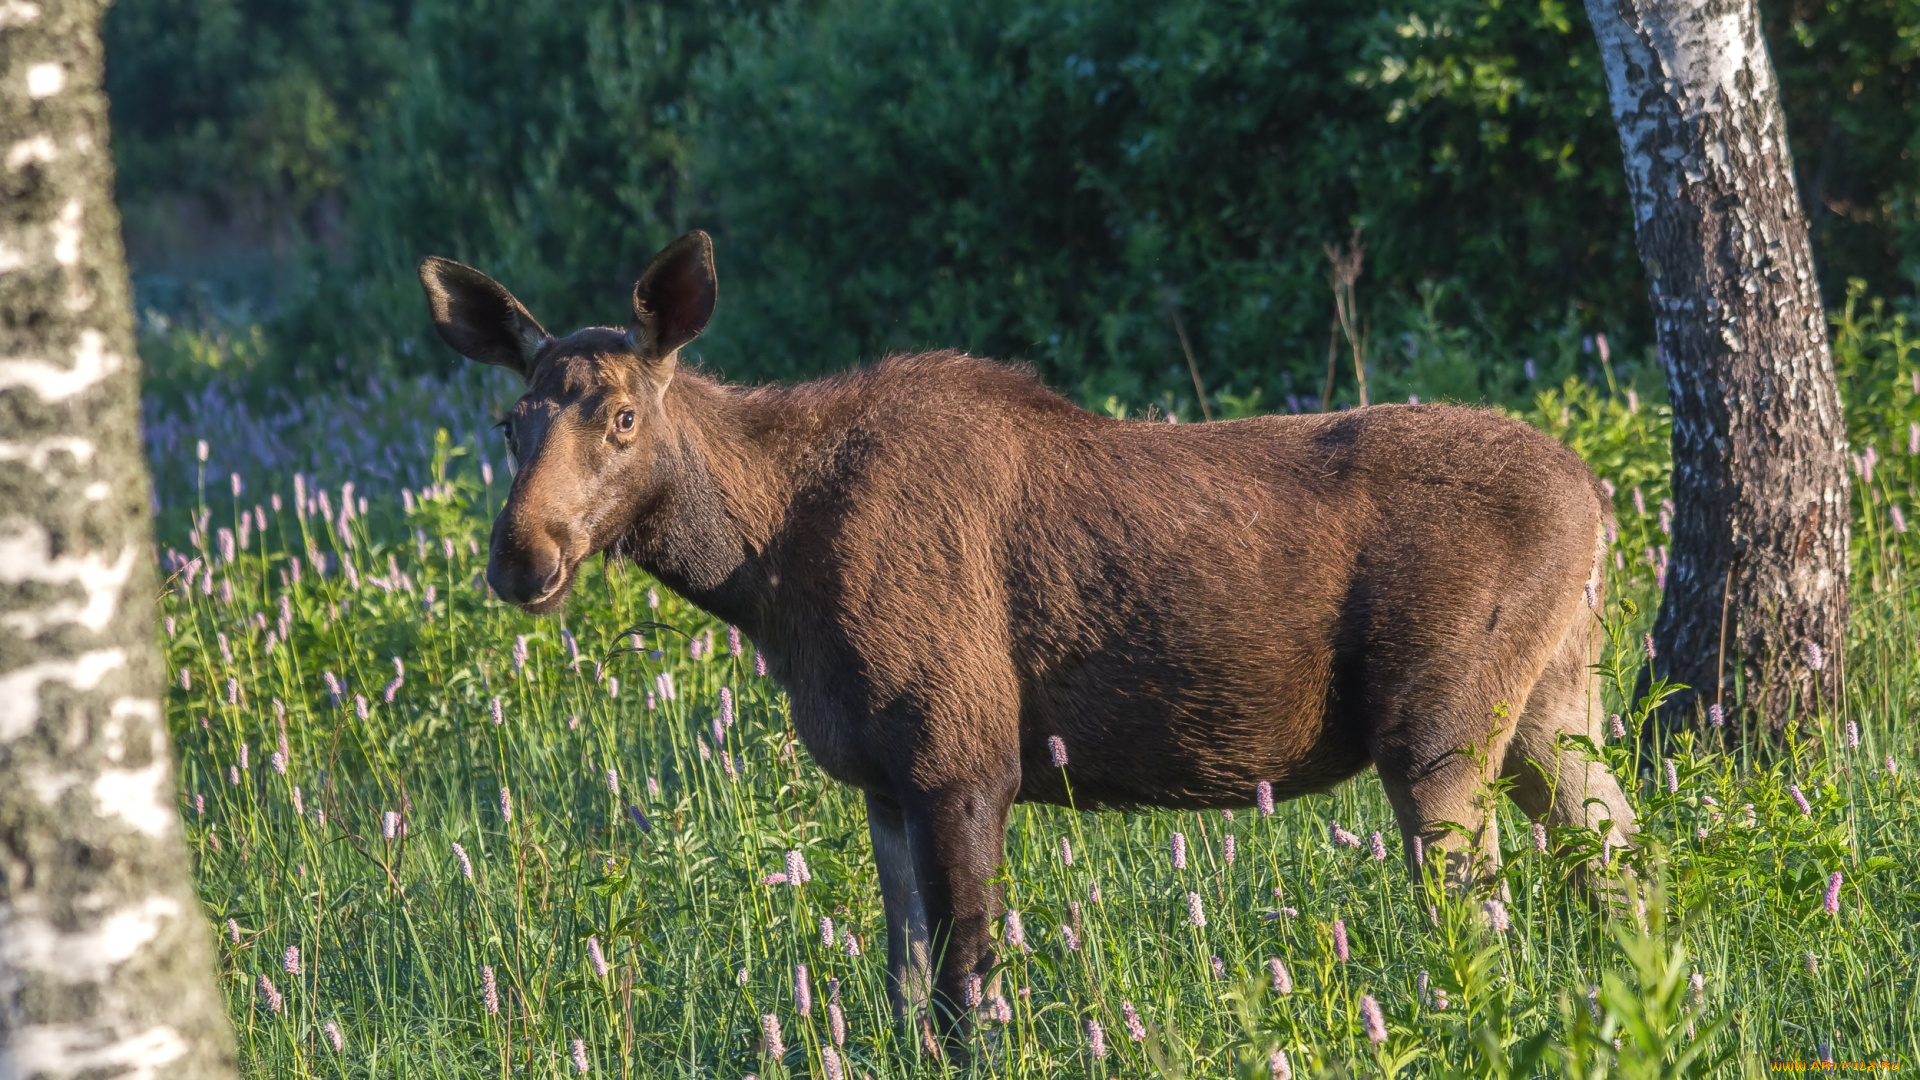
439	837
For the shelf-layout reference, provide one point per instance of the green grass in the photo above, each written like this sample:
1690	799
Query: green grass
392	936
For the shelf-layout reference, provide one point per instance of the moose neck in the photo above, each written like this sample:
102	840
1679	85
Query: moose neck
719	494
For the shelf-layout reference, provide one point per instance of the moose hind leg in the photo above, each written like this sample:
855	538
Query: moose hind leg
1438	744
1554	782
909	960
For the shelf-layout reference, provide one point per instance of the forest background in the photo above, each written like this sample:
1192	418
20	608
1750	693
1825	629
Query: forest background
1067	183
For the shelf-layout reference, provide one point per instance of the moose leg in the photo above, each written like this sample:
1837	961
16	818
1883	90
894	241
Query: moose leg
1437	746
908	961
958	837
1432	796
1556	783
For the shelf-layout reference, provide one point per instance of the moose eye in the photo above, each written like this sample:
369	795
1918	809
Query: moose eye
624	421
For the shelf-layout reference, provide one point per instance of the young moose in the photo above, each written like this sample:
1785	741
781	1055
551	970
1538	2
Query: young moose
946	565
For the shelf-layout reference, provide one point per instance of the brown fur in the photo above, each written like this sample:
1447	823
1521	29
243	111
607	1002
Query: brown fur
945	563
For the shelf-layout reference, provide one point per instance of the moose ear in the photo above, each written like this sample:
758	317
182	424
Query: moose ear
479	317
673	299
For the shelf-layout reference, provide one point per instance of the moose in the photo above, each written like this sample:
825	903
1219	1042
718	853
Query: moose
976	593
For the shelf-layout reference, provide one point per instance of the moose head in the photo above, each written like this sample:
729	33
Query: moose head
592	425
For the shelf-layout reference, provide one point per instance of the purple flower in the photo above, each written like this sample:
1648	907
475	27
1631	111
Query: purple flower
1497	916
1853	735
279	762
1419	852
290	960
393	688
233	931
580	1055
597	958
1016	932
1340	947
489	993
1716	715
850	943
830	1065
826	932
759	664
1379	848
1058	748
1229	847
972	997
1815	659
333	1037
1072	939
1673	777
726	707
733	641
1277	1066
802	991
1619	729
1066	852
1219	967
795	864
333	686
1179	846
520	652
499	715
1136	1030
770	1034
1001	1010
360	706
1647	641
466	865
836	1022
613	781
1096	1039
506	806
1370	1016
1540	838
1800	800
389	825
1282	979
272	995
1342	836
1833	894
1263	798
1195	914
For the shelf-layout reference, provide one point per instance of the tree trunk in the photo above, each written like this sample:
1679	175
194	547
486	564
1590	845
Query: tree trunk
106	966
1759	448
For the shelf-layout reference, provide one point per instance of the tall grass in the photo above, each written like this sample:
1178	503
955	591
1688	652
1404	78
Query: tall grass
394	785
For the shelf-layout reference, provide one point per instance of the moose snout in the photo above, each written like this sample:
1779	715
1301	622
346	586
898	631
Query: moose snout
528	573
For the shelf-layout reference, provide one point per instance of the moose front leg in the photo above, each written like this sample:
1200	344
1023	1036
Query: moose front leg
909	967
957	834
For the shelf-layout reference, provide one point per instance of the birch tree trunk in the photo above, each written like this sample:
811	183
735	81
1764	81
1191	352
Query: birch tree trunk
1759	448
106	966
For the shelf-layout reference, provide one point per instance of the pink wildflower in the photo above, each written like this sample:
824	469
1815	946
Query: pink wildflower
1371	1017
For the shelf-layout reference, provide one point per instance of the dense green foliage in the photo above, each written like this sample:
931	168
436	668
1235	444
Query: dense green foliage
1049	180
325	823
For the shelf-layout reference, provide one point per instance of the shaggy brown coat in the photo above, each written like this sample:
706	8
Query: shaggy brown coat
945	564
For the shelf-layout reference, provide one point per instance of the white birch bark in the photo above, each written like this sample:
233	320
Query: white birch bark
105	960
1759	446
